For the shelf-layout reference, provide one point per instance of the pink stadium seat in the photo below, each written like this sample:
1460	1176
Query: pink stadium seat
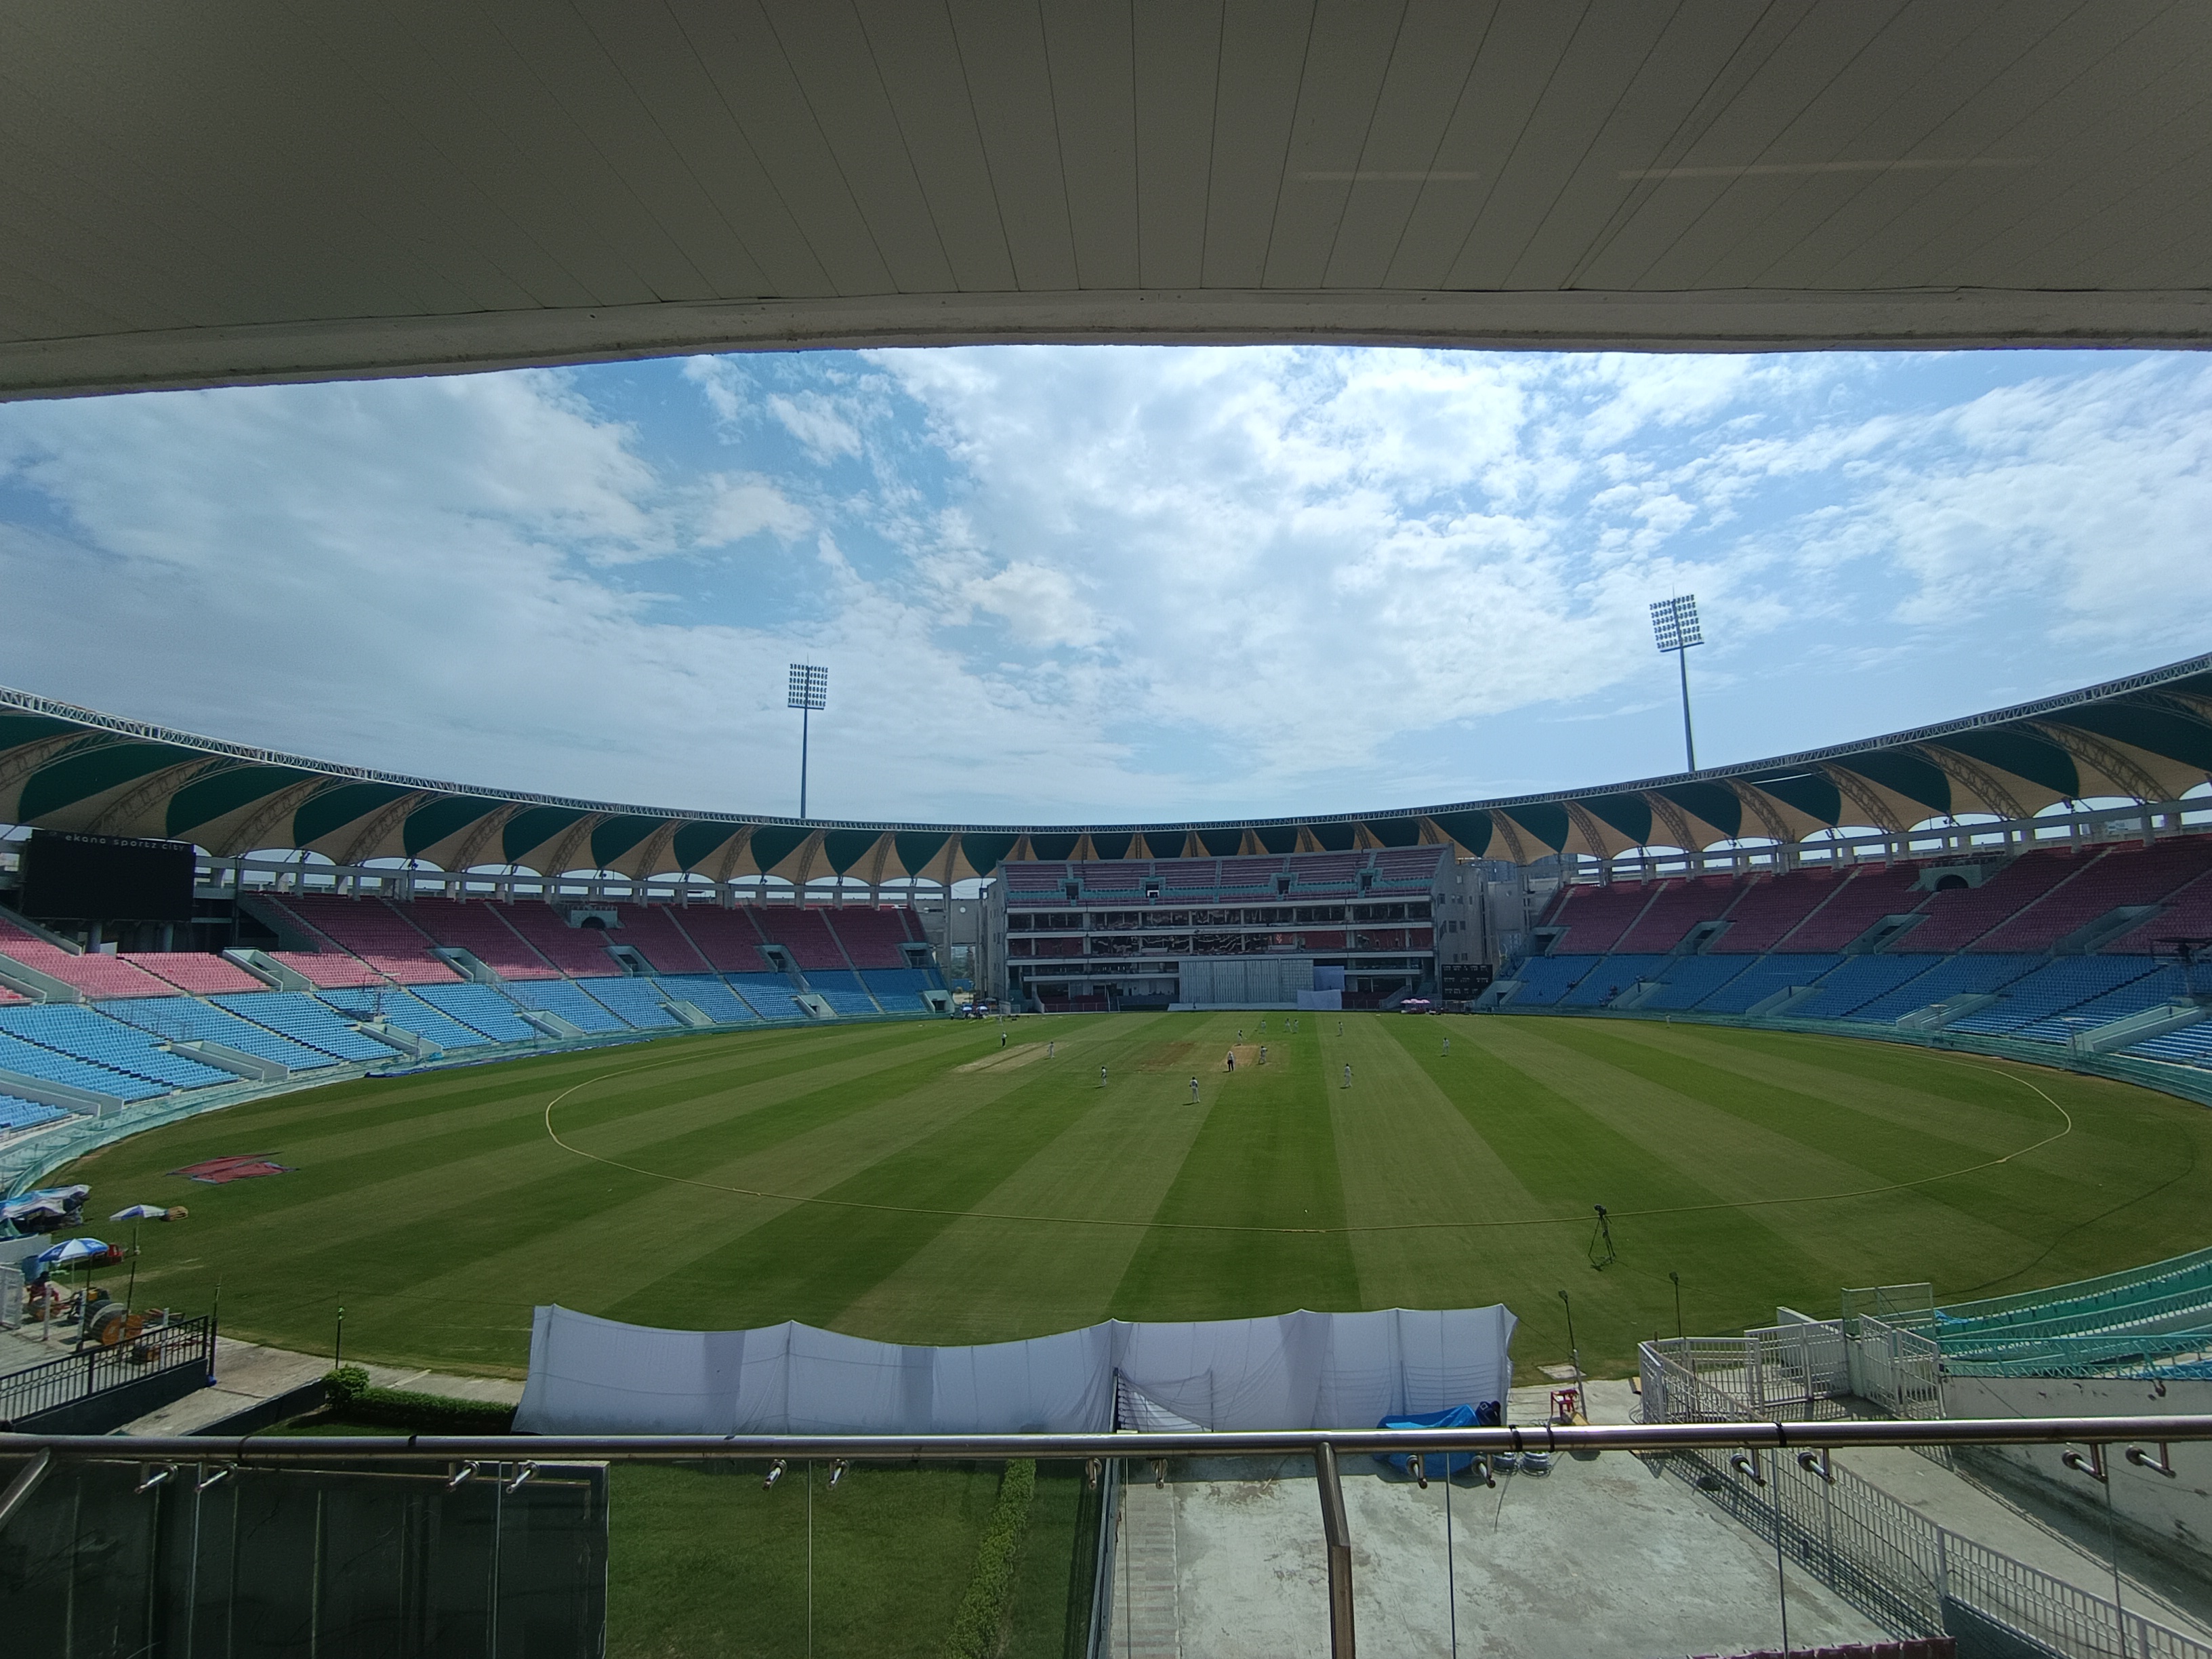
1867	896
649	930
373	931
479	927
2123	876
2188	915
871	938
1961	916
330	970
1679	907
804	933
578	952
1770	907
196	971
727	938
96	973
1596	917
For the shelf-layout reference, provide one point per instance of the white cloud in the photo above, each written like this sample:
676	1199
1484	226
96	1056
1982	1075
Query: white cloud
818	422
1104	584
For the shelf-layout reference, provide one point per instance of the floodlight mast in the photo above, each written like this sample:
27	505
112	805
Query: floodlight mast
1675	628
810	690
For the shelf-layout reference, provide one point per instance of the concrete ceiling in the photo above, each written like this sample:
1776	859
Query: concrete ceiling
228	192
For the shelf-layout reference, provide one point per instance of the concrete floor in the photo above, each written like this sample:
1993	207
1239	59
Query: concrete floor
1595	1558
1608	1557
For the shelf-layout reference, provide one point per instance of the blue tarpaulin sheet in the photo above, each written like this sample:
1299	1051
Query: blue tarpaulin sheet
1454	1417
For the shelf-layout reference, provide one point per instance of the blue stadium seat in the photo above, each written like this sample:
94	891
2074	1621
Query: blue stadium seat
1614	974
187	1018
2051	990
1545	980
297	1015
1688	981
841	989
1859	981
32	1060
1765	977
900	988
1960	975
706	993
481	1008
2162	981
569	1001
637	1000
16	1116
768	995
85	1033
2190	1046
408	1013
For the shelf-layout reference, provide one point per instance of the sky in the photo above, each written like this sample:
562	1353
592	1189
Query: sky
1106	584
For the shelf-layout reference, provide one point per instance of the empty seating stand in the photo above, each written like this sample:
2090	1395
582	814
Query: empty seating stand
871	939
841	989
655	933
571	1001
86	1034
580	952
198	972
1678	906
304	1019
804	933
97	974
1596	917
409	1012
639	1002
182	1020
34	1060
481	1008
727	938
710	996
375	932
481	928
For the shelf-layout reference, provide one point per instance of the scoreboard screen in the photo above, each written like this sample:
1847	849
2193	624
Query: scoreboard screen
76	877
1463	982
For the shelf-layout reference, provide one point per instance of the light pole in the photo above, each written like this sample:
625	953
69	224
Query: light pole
810	690
1674	626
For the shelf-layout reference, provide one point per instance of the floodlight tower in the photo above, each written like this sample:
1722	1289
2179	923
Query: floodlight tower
1674	626
810	690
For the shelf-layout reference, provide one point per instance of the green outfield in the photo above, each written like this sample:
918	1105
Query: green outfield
916	1183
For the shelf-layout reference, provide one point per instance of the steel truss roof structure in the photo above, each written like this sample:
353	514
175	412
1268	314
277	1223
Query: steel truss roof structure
248	190
2147	737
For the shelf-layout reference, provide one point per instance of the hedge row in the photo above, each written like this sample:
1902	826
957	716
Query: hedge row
349	1392
979	1627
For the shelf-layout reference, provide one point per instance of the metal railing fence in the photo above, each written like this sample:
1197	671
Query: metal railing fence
94	1369
1902	1568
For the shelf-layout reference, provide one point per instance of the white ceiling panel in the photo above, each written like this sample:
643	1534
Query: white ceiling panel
250	190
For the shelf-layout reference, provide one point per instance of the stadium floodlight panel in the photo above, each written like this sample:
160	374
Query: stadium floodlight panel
1674	623
810	686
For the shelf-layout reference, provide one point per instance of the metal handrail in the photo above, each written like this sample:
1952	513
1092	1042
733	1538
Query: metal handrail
1326	1447
1653	1438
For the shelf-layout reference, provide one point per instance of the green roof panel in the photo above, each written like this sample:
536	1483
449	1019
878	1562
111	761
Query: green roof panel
204	800
532	827
327	810
84	773
694	843
617	835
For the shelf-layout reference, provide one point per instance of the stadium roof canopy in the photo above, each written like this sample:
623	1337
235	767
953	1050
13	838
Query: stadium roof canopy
2147	738
201	195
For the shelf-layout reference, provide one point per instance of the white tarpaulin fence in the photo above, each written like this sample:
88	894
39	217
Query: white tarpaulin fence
1296	1370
